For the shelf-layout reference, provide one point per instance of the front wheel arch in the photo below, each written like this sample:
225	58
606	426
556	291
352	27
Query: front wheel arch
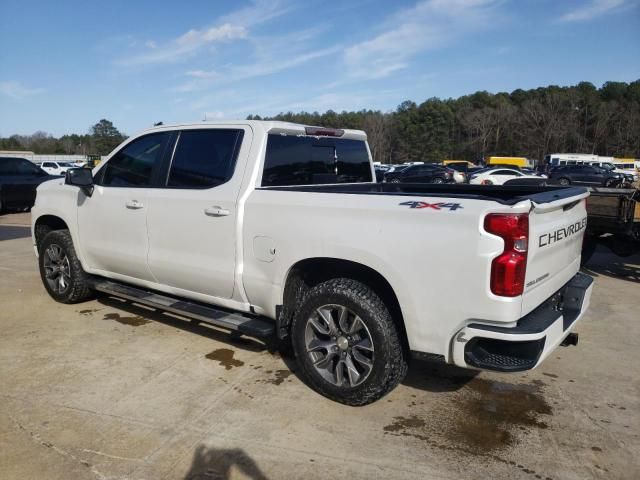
45	224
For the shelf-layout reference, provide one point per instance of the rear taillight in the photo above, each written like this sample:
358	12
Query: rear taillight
509	268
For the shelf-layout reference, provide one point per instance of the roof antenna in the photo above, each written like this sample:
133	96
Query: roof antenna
158	124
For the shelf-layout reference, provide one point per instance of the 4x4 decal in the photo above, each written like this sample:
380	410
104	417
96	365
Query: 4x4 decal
435	206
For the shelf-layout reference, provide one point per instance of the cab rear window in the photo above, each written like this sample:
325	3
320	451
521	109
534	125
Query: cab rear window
306	160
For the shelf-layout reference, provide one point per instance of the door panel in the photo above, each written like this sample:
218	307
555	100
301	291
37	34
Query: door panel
112	223
113	235
192	222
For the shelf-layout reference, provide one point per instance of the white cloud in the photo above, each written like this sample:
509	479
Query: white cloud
271	55
17	91
196	38
234	26
259	11
429	25
202	74
214	115
591	10
185	45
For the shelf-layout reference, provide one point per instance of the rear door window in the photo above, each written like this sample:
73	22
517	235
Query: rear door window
305	160
204	158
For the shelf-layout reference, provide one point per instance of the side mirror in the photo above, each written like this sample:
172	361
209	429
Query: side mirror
80	177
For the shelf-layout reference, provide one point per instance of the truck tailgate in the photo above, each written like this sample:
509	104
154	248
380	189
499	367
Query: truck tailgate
556	230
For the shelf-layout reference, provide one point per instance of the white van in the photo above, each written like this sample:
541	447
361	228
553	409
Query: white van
56	168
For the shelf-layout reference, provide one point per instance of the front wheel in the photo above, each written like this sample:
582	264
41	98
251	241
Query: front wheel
60	270
437	180
564	182
347	344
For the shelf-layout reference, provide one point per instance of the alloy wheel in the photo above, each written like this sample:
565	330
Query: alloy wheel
57	268
339	345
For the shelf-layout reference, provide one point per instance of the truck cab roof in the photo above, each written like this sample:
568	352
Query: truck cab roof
269	126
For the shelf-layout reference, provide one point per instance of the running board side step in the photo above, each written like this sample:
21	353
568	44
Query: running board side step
250	326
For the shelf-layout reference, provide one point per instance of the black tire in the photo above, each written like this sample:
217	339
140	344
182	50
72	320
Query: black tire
76	287
389	358
564	181
437	180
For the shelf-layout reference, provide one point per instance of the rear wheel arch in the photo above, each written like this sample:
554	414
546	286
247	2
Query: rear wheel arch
310	272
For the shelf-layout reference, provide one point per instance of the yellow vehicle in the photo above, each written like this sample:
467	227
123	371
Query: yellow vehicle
469	164
517	161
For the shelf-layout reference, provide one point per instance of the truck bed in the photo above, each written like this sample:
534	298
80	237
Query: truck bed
504	194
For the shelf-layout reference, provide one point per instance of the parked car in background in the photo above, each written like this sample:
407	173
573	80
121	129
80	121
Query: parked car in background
57	168
459	170
498	176
585	175
421	173
18	181
398	167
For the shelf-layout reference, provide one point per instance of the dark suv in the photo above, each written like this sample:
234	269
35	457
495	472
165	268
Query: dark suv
18	181
421	173
585	175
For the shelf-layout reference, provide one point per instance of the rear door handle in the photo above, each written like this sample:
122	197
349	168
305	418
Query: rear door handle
216	212
134	205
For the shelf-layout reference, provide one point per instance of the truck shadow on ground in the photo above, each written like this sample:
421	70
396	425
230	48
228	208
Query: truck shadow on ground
216	464
10	232
610	265
142	315
436	377
432	376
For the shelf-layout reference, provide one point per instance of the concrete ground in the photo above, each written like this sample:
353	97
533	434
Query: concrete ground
108	390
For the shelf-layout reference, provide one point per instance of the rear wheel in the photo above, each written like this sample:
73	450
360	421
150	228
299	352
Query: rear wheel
346	343
60	270
437	180
564	181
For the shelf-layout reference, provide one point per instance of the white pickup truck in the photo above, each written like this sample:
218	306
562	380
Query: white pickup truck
278	230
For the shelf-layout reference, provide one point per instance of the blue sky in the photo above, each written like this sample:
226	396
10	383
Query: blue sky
65	65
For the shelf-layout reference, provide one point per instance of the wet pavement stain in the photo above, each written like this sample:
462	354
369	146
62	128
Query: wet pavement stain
489	412
484	418
280	377
225	358
402	423
89	311
136	321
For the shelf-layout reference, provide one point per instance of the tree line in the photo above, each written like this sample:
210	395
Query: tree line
524	123
100	140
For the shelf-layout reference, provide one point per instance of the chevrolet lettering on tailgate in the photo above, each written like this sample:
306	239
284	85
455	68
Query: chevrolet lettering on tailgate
561	233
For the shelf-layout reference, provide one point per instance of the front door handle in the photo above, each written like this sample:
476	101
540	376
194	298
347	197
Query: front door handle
134	205
216	212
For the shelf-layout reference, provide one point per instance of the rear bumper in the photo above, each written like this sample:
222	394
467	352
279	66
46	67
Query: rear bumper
535	336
